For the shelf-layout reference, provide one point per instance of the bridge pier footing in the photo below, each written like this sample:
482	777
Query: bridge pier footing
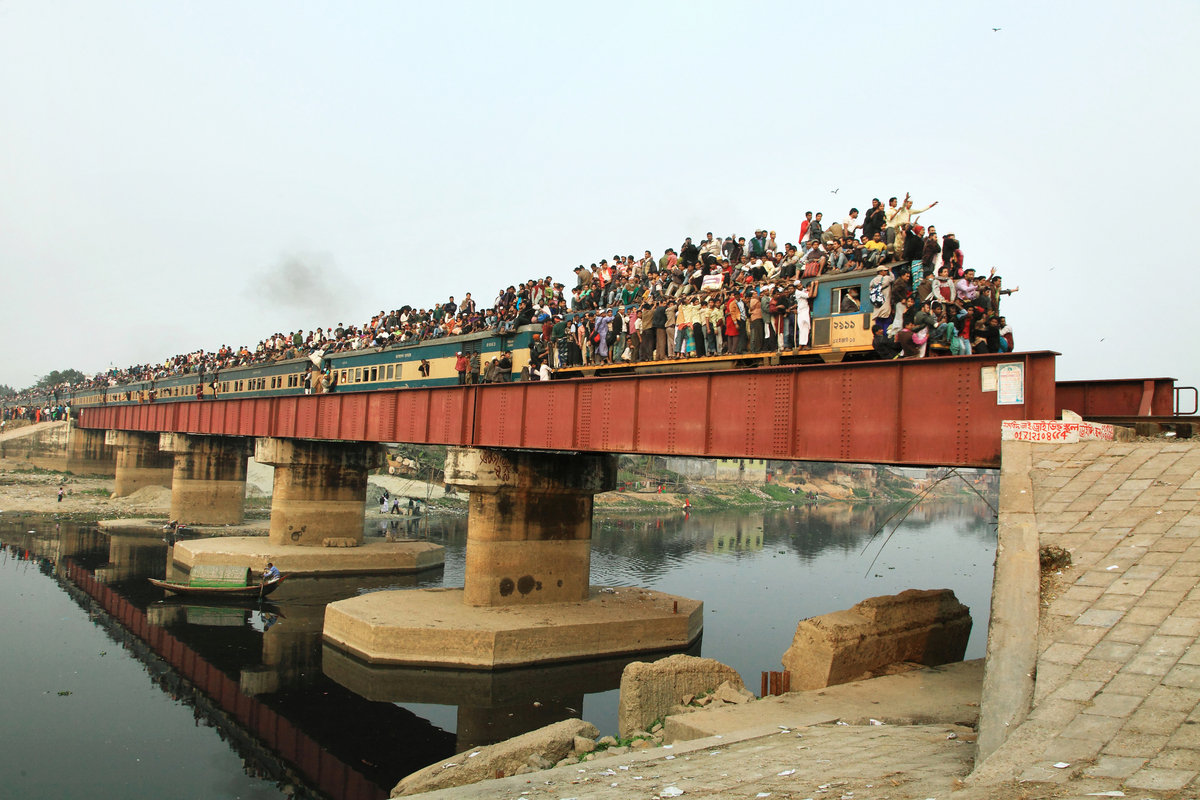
139	462
526	598
208	483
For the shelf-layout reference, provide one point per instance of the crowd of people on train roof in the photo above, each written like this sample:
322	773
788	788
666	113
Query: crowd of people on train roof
710	296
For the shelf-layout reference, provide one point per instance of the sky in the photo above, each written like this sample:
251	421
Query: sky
176	176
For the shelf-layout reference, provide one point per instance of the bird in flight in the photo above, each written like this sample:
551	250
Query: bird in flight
835	191
995	29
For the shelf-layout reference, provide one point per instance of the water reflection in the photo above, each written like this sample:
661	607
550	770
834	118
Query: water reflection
298	713
252	672
490	706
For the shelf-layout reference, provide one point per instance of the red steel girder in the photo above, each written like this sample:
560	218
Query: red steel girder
1121	397
918	412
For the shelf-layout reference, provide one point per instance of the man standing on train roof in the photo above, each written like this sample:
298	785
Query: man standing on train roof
758	245
460	366
804	227
450	307
875	220
850	224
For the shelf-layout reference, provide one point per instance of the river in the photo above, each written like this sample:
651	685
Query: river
112	692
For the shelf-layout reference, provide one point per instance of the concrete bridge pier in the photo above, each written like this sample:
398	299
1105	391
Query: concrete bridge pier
87	454
208	484
320	490
139	461
529	533
318	508
526	598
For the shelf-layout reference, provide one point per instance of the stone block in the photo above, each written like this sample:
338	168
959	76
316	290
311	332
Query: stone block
1133	685
1115	767
651	690
1177	759
1060	653
1167	600
1115	602
1092	726
1077	690
1184	676
1114	651
551	743
922	627
1071	750
1136	745
1159	721
1100	618
1167	645
1147	664
1152	615
1163	780
1110	704
1176	698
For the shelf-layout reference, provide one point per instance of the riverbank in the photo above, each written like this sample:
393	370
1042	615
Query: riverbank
88	499
901	736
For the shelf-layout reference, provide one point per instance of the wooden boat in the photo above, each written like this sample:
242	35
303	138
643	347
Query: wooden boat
253	590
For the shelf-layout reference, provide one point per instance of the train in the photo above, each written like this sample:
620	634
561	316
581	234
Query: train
836	336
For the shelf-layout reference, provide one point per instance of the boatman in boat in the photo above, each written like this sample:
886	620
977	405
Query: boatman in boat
270	573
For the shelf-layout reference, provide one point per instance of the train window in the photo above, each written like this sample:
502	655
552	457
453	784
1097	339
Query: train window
358	375
343	378
374	374
845	300
389	372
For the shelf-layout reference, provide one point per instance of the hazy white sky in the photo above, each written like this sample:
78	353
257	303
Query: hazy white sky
165	166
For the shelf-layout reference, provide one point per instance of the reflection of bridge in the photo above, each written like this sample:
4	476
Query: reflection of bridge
319	767
273	735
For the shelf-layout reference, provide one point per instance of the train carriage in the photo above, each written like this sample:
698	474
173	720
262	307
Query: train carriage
841	329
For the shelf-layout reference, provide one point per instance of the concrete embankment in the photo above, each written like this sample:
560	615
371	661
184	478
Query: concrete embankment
1107	697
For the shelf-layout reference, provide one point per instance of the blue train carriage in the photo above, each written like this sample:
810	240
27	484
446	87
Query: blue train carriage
361	370
841	316
398	367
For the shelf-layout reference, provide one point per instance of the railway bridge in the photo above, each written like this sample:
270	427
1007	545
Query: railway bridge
532	457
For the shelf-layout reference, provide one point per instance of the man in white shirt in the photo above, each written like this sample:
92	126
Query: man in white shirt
850	224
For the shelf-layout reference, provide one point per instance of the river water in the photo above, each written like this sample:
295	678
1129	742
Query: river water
113	692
